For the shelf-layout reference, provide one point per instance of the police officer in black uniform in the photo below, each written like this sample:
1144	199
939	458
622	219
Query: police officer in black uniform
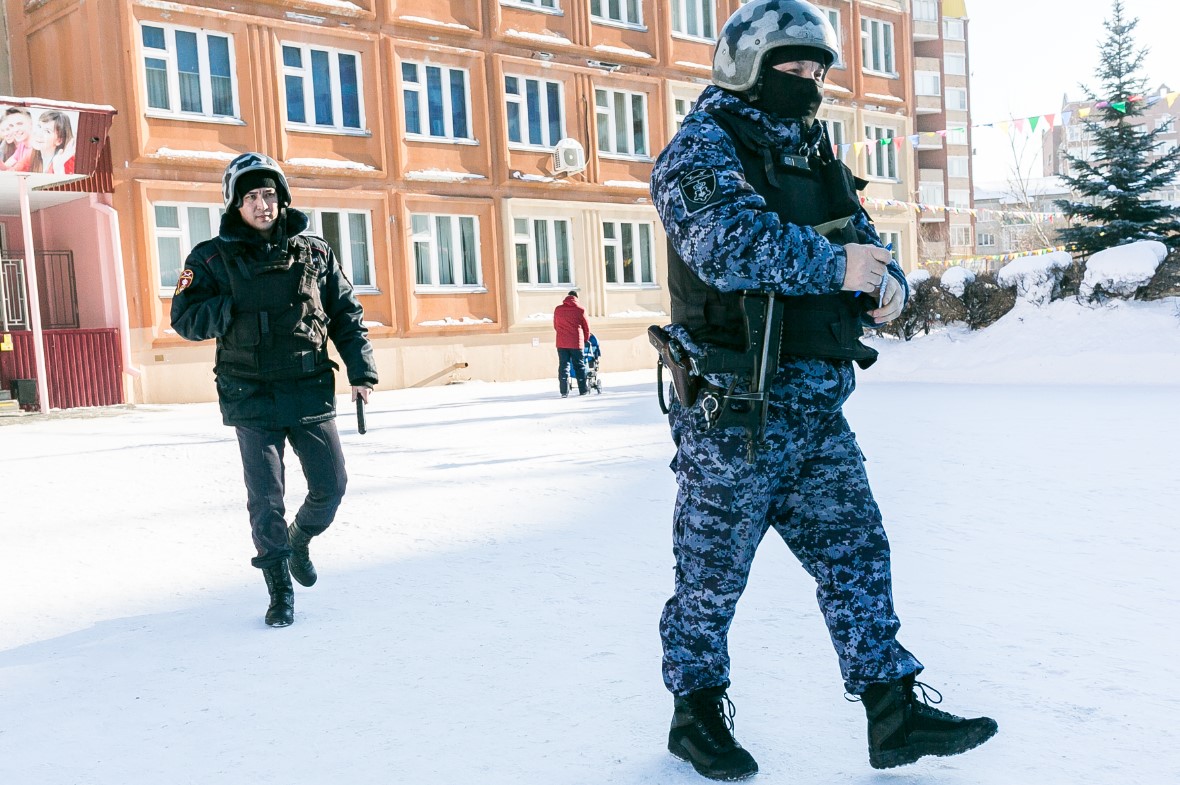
774	269
272	298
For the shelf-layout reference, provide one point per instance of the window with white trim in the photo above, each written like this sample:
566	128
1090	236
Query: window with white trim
925	10
955	65
931	193
179	228
542	247
627	248
987	239
953	29
350	234
956	135
446	251
549	4
835	129
958	166
1165	124
834	18
322	87
876	45
625	12
956	98
927	83
960	236
892	241
622	122
188	72
534	111
436	101
882	157
695	18
958	197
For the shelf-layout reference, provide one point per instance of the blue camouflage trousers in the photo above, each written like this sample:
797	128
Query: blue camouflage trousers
808	482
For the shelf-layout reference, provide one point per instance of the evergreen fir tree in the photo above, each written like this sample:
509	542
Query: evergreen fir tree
1115	185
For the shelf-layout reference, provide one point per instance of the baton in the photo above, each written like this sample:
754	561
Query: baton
360	415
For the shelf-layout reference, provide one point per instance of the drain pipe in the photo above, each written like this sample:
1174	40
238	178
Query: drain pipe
120	284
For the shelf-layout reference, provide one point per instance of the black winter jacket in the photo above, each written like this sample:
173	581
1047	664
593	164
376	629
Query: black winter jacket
204	306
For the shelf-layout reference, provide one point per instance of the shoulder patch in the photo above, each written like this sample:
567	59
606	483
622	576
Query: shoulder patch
186	278
698	190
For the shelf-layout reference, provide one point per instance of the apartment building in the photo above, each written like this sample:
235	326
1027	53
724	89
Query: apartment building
469	160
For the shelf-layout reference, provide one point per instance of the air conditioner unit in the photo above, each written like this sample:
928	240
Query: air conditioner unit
568	156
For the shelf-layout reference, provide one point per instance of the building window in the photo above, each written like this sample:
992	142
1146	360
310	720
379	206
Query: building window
955	65
446	251
180	227
925	10
957	166
931	194
435	100
349	234
622	122
957	135
625	12
323	87
958	197
892	241
695	18
542	248
534	111
927	83
960	236
835	129
987	239
834	18
952	29
551	4
627	247
956	98
1165	124
876	45
882	157
189	72
680	109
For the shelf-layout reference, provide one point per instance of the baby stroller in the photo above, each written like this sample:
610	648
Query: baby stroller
590	355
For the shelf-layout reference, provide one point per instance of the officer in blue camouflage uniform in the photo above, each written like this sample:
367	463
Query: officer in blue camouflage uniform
754	202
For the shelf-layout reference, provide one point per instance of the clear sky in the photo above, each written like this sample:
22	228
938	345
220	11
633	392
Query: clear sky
1026	54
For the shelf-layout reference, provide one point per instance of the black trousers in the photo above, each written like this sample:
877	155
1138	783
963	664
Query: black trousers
318	449
564	358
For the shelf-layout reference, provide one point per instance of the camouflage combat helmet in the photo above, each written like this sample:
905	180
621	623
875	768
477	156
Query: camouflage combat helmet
253	162
762	25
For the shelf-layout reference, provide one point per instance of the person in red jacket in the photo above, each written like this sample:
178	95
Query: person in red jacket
568	319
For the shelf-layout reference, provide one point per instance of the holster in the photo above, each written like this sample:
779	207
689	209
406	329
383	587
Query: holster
686	380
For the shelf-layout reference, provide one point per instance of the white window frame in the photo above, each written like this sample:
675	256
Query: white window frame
344	253
626	10
956	99
616	244
958	197
954	64
169	56
879	33
1165	124
181	233
956	135
985	239
953	29
834	18
430	239
932	193
422	102
520	100
835	130
546	6
304	73
881	155
528	239
681	107
928	83
608	113
704	23
958	166
892	241
925	10
964	233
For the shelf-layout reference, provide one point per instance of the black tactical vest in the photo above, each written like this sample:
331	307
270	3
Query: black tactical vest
805	192
279	329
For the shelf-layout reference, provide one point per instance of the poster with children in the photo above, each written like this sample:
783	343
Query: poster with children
37	140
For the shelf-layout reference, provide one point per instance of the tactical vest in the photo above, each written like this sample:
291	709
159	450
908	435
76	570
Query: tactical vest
803	191
279	330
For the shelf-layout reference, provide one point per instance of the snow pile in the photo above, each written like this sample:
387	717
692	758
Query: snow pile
1124	269
917	277
1035	277
955	280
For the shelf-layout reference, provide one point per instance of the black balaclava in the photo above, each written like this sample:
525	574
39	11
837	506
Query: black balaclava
786	96
258	178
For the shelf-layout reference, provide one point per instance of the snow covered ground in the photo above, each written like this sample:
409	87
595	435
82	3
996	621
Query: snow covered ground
488	599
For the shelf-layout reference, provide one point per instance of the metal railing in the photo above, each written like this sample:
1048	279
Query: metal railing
57	284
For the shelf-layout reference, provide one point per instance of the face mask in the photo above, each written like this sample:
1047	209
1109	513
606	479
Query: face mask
789	97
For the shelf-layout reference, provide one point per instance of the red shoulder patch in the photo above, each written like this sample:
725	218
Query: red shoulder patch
186	278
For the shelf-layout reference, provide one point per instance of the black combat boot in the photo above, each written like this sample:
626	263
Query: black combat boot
302	569
903	728
702	734
282	596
